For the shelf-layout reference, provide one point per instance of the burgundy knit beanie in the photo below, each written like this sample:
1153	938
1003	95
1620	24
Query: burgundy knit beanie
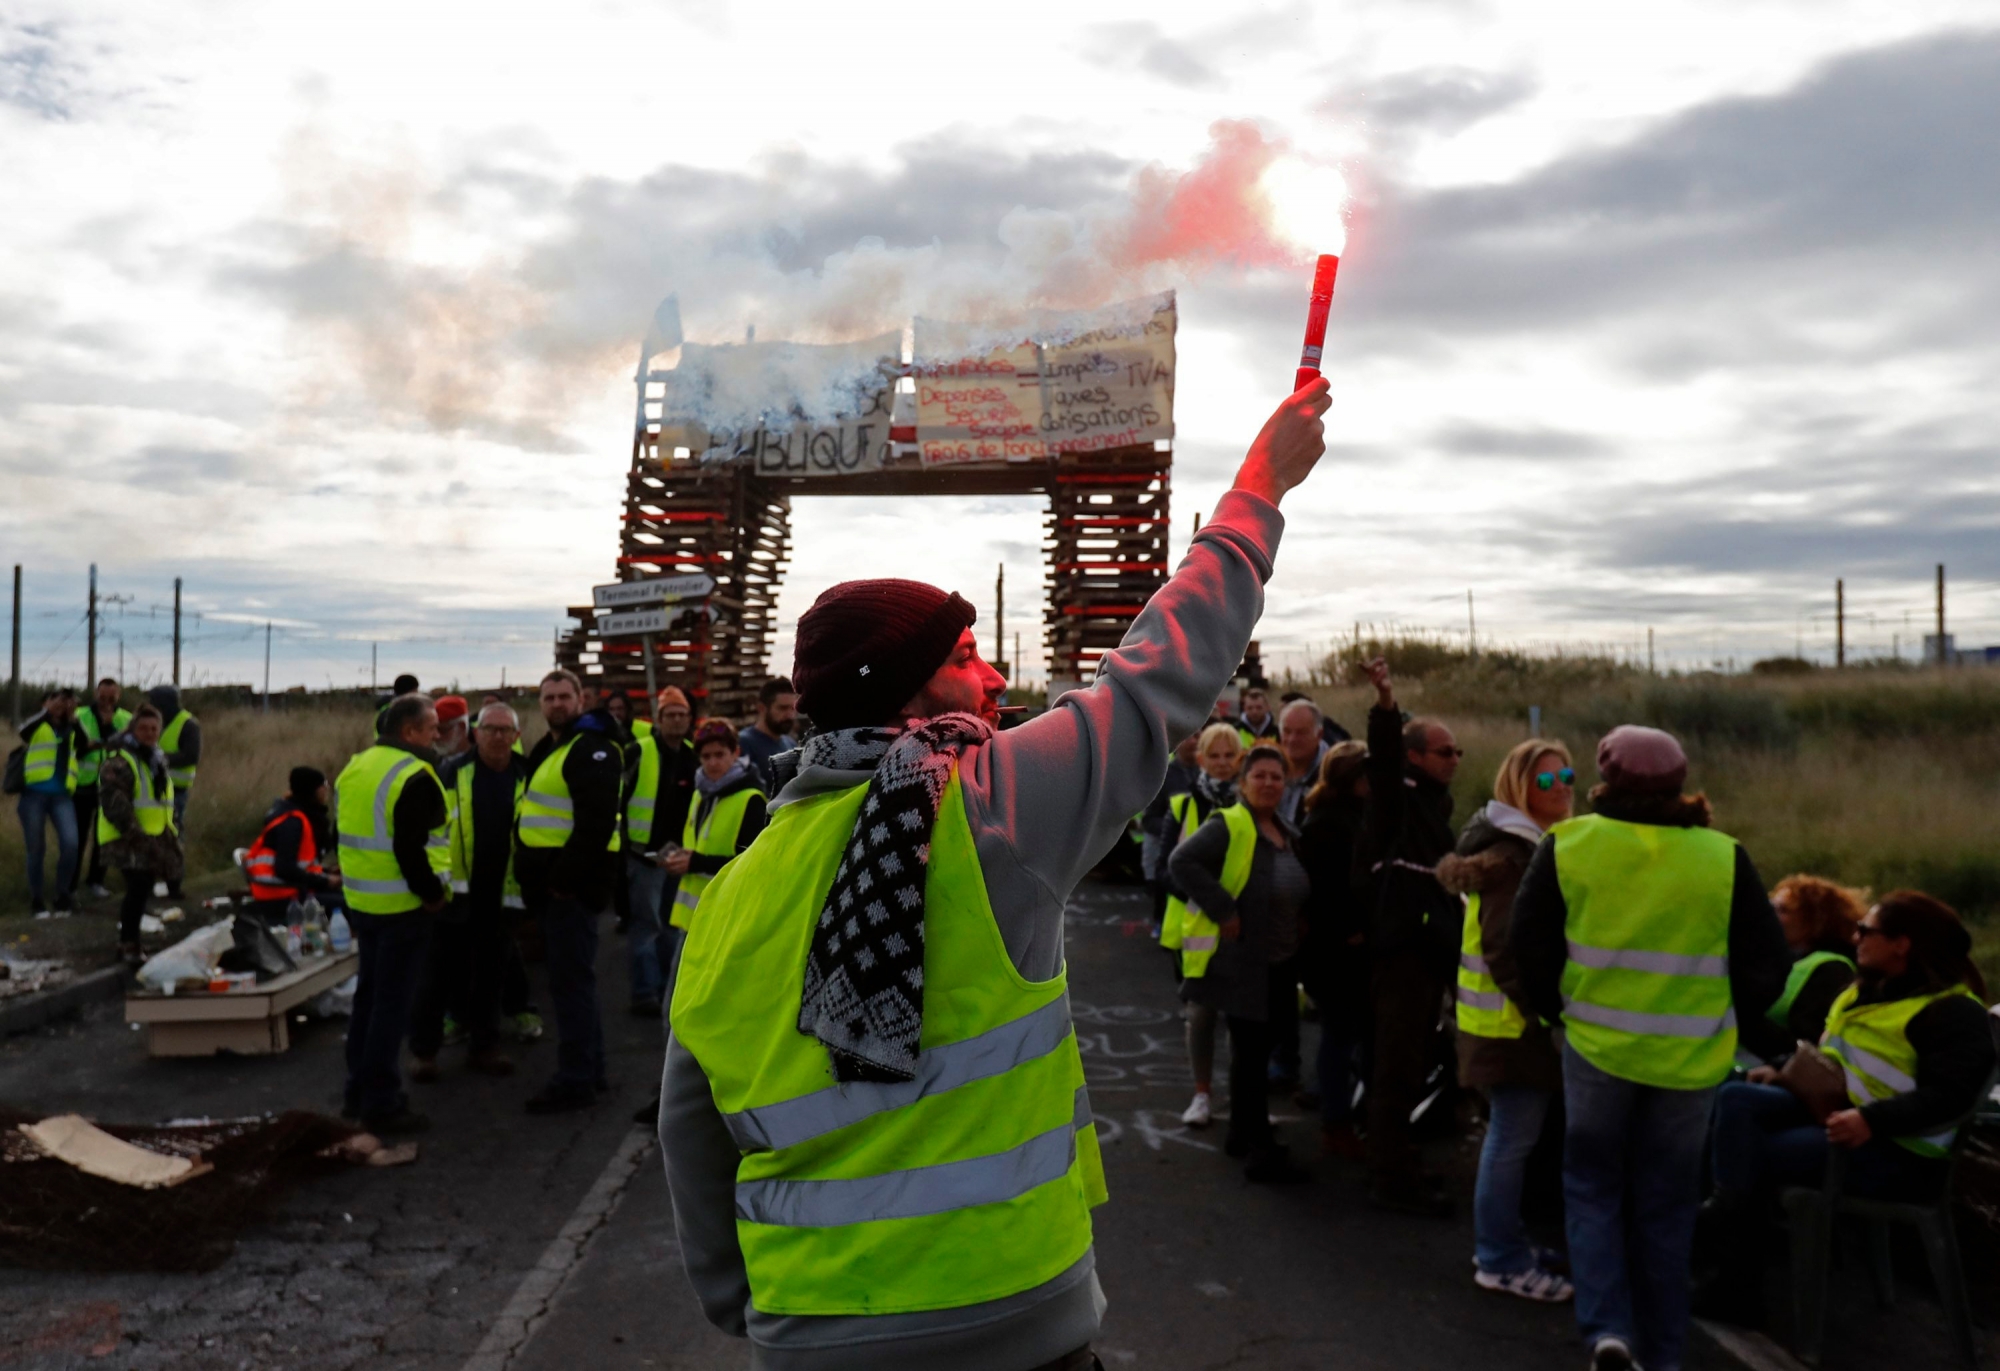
866	647
1640	759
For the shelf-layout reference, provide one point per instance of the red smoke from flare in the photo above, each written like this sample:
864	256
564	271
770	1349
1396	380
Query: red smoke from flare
1217	213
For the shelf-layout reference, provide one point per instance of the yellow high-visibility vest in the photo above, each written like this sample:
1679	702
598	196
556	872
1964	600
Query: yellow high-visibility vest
714	836
1646	987
153	809
365	798
970	1183
459	824
170	741
1484	1010
86	722
1872	1044
1200	934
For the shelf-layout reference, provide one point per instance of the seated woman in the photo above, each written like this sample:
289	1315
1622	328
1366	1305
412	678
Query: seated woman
727	815
1819	919
1240	868
1912	1038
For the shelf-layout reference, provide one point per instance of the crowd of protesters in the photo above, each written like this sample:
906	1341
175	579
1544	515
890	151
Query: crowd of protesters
608	813
1607	979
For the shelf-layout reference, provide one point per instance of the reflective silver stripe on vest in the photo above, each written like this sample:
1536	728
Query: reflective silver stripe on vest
152	804
1203	944
557	803
1082	1117
1481	999
1654	1025
687	899
1472	962
788	1123
376	887
380	841
1631	959
640	807
911	1194
181	776
1896	1080
459	887
547	821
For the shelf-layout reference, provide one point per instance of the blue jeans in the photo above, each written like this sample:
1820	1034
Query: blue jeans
1765	1138
1632	1188
644	884
38	810
392	948
1513	1127
569	937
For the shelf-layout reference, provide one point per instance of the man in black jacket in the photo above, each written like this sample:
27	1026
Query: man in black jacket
569	887
1413	932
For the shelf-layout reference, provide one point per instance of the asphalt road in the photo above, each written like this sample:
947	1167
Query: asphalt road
530	1244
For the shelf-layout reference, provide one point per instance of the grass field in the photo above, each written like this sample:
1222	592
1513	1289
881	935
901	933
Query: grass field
1880	778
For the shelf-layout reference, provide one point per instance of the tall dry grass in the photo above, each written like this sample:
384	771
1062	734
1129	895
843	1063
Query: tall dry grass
1876	778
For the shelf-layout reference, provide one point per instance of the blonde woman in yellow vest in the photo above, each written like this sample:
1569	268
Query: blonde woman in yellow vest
1503	1053
725	818
1218	757
1648	935
874	1123
1242	870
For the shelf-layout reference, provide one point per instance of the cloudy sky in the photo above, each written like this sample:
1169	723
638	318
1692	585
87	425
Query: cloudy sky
1650	318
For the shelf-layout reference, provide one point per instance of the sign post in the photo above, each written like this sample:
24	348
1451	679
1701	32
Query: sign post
645	608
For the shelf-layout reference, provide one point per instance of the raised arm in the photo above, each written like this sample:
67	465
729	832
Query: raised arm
1048	799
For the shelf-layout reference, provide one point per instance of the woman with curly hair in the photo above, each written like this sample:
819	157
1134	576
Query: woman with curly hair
1819	919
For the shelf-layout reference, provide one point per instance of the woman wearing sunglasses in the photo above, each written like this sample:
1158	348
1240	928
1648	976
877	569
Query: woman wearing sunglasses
1508	1055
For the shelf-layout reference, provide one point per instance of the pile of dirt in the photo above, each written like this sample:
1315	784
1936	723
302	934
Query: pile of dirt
54	1216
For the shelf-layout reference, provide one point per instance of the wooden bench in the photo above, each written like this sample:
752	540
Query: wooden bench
252	1021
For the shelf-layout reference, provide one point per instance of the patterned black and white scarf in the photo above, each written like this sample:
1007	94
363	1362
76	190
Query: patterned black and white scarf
864	986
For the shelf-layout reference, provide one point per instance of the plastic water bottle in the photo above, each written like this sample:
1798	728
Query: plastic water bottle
342	935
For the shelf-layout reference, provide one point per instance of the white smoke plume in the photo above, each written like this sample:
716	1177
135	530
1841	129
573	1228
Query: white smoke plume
442	313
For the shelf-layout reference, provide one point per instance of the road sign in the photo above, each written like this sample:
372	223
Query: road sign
652	591
635	621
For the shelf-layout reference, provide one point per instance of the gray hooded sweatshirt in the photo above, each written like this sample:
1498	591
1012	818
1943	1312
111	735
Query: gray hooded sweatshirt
1045	802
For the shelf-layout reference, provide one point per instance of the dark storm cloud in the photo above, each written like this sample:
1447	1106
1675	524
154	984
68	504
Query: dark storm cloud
1880	164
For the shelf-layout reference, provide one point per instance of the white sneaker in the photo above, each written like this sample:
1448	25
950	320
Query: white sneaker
45	914
1613	1354
1532	1284
1198	1114
97	892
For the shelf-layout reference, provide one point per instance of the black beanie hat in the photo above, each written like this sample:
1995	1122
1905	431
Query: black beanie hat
866	647
306	781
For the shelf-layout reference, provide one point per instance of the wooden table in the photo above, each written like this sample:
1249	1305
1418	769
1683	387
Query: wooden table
251	1021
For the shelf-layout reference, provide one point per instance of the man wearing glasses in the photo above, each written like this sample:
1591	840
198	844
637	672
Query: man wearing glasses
1413	935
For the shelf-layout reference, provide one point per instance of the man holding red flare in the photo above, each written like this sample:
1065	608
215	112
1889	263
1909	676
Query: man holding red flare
874	1122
